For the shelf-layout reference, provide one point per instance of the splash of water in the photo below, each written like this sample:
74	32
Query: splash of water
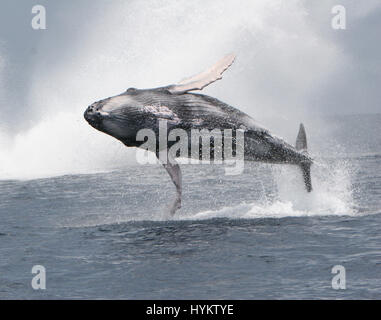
332	195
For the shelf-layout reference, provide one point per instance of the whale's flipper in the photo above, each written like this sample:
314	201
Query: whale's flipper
301	145
174	172
301	139
200	81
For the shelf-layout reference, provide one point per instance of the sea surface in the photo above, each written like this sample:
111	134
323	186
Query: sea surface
257	235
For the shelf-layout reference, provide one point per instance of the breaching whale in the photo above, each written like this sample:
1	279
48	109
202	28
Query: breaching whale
122	117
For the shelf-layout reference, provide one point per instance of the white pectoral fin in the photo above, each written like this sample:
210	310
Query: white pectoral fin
200	81
174	172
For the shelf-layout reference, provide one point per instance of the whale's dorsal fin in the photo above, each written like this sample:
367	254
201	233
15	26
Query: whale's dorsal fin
201	80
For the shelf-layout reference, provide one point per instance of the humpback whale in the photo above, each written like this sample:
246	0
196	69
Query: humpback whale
123	115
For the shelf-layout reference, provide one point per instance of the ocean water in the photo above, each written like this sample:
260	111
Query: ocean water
257	235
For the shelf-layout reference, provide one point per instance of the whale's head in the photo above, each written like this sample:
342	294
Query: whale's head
117	116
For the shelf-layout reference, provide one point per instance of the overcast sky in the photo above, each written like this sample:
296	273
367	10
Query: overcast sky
289	57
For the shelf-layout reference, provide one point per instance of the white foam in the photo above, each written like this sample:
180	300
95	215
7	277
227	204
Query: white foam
331	195
58	145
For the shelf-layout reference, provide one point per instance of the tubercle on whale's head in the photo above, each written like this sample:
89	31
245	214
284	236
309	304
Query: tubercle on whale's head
113	116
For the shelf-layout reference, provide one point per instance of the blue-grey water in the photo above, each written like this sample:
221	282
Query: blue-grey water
258	235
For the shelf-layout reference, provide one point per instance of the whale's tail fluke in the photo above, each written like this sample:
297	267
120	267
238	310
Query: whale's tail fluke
301	145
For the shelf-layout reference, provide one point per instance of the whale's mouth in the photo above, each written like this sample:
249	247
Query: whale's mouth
105	122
